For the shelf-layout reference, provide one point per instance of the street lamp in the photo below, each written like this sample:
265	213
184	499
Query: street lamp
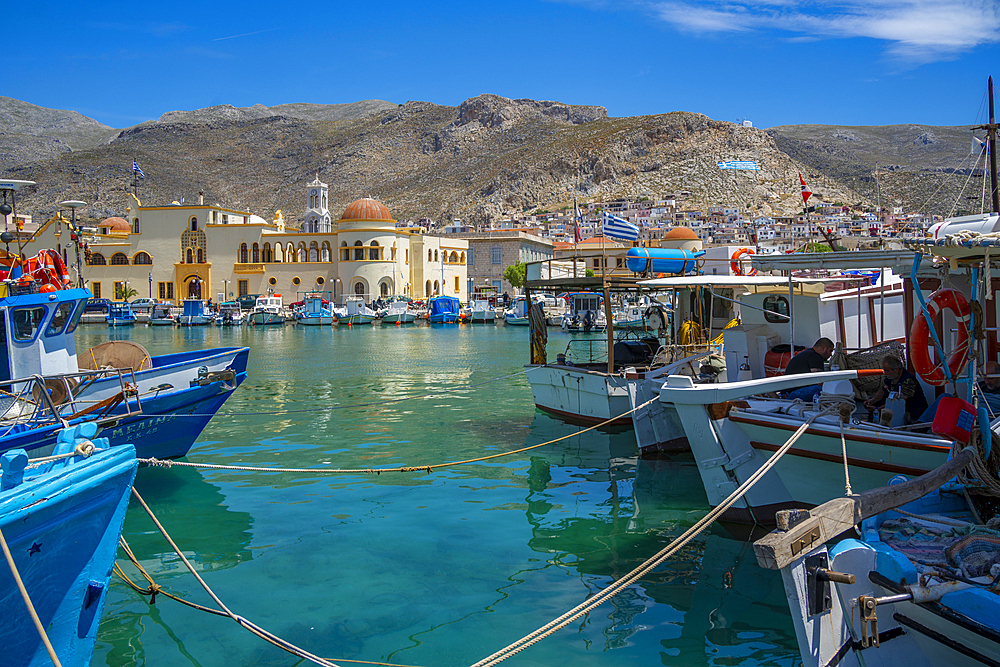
335	281
72	205
225	288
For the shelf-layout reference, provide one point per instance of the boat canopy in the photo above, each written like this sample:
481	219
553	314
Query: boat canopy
440	305
834	261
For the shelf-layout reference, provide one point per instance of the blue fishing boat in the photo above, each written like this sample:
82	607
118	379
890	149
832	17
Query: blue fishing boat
163	402
61	522
195	314
313	308
443	309
120	314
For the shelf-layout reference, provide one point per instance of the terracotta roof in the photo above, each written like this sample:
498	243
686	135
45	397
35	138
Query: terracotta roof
681	234
116	224
367	209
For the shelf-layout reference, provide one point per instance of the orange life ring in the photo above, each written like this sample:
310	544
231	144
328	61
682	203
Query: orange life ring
48	268
735	264
933	374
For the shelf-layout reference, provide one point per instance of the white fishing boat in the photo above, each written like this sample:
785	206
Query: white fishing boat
586	312
398	312
314	309
357	312
161	316
517	314
482	311
229	314
267	310
195	314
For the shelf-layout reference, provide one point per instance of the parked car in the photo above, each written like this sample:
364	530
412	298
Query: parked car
95	305
143	305
247	301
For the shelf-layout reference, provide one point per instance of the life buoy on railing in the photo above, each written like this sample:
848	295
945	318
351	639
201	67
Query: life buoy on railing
933	374
48	268
737	267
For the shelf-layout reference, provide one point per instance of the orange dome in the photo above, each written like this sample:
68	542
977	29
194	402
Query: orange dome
681	234
367	209
116	224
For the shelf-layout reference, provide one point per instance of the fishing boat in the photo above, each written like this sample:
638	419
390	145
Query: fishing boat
267	310
916	587
482	311
517	314
314	309
161	316
356	312
398	312
585	312
443	310
61	522
195	314
229	314
120	314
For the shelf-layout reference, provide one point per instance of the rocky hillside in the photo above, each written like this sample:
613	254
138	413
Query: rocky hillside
488	156
918	167
29	133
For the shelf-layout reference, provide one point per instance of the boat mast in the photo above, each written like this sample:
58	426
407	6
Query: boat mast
991	127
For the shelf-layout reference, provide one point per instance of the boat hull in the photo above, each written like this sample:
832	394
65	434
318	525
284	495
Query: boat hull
357	319
264	319
316	320
443	318
580	395
62	528
399	318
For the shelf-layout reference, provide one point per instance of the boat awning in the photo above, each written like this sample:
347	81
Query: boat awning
860	259
673	282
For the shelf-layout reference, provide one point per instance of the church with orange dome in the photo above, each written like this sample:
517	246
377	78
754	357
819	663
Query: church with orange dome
208	251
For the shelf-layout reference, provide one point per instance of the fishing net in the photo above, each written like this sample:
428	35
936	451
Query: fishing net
869	358
974	555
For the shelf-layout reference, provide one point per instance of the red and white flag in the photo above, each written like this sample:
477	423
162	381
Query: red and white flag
806	192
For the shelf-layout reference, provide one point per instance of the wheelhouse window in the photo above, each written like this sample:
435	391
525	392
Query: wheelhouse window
26	321
60	319
776	309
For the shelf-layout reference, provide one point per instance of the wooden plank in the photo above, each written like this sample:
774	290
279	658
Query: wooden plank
807	530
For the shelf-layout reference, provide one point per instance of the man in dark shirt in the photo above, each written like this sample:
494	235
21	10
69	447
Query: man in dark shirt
810	360
899	379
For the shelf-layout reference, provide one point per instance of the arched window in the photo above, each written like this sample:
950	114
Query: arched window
201	255
461	258
437	287
300	255
427	288
279	256
383	288
359	251
393	252
453	258
255	253
142	258
96	259
190	256
435	255
345	253
359	288
313	252
244	255
194	223
326	252
374	251
119	259
135	225
266	255
289	253
430	255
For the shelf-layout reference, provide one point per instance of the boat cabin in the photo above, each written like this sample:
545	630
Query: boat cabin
38	332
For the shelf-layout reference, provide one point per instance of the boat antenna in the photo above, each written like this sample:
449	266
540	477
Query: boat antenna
991	127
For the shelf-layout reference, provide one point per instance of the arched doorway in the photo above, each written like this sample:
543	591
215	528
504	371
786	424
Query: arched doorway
194	287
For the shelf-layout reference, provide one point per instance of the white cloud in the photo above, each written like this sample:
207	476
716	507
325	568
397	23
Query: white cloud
922	30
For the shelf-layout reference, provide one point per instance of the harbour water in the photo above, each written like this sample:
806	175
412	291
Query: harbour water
434	569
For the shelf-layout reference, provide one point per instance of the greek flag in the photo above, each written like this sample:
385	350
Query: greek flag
619	228
136	170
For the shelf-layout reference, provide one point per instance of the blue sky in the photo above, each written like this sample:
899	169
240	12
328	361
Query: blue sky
775	62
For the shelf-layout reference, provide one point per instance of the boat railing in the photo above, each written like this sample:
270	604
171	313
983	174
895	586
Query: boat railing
587	351
37	401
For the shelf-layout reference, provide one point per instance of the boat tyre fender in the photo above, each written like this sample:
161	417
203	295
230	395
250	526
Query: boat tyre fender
736	265
655	318
931	373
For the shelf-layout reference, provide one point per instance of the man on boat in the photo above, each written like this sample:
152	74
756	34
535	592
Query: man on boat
809	360
898	379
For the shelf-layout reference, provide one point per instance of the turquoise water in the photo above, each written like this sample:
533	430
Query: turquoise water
433	569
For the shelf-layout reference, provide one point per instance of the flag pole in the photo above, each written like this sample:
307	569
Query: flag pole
576	233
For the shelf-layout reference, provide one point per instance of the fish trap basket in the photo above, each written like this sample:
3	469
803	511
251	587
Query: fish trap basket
869	358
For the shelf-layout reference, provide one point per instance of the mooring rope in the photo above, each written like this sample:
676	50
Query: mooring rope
669	550
166	463
252	627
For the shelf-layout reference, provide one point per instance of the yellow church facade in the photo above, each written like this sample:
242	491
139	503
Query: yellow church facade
204	251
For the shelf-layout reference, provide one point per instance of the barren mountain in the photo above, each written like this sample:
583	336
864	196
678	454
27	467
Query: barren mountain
488	156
